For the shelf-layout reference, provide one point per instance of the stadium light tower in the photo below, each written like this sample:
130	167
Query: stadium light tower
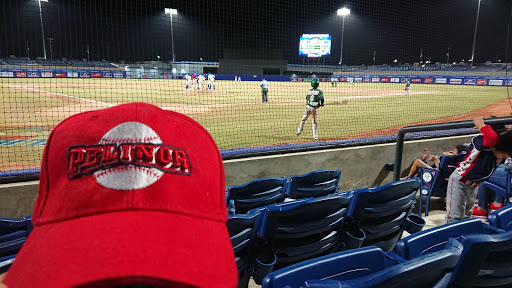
42	27
171	12
343	12
474	36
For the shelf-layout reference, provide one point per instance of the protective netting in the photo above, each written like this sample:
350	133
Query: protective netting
59	58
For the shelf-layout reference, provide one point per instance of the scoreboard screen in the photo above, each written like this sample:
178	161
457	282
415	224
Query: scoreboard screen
315	45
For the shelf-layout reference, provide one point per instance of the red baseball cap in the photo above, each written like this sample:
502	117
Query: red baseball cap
129	192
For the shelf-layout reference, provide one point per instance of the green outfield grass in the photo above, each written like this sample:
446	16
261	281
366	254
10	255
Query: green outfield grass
233	113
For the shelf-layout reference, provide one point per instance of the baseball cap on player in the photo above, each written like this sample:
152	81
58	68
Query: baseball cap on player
130	192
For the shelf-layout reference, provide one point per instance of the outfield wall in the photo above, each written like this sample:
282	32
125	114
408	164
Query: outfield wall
361	166
430	79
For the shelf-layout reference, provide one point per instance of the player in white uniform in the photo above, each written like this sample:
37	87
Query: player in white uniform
187	80
211	81
201	80
194	81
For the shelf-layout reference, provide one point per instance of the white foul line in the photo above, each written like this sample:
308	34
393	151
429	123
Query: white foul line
64	95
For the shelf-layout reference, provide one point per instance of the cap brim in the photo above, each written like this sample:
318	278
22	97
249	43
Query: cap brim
141	244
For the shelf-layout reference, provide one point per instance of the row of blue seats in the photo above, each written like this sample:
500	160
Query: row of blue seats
282	234
266	191
13	233
467	253
55	62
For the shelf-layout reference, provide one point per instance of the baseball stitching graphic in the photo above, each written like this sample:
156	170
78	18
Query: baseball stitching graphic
129	177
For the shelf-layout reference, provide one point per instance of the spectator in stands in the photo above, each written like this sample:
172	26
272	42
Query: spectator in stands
489	149
414	169
485	196
134	197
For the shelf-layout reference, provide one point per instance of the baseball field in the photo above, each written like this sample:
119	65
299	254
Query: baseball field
233	112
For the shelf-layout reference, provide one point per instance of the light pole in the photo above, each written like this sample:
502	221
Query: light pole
474	36
343	12
51	47
42	27
171	12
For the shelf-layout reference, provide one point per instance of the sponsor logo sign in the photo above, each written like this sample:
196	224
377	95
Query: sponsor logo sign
120	75
72	74
403	80
394	80
350	79
416	80
366	79
46	74
428	80
358	79
495	82
21	74
96	75
384	80
33	74
455	81
7	74
343	79
84	75
375	79
107	75
469	81
481	82
60	75
441	80
509	83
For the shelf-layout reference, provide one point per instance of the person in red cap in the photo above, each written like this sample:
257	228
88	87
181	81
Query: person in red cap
128	195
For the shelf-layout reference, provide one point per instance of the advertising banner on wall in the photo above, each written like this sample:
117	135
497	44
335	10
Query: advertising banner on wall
395	80
494	82
21	74
469	81
481	82
33	74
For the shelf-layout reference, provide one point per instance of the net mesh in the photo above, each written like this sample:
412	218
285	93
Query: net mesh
59	58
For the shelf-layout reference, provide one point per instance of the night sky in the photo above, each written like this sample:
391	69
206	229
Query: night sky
139	30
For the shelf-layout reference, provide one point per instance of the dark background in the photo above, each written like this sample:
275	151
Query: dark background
139	30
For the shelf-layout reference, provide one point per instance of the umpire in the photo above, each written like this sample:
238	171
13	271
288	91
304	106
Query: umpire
264	90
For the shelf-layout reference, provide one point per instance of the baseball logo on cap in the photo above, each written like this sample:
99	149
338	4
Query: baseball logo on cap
129	156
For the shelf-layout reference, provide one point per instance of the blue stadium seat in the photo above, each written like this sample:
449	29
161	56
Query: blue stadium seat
5	263
486	261
242	231
502	218
11	243
313	184
303	229
431	240
434	182
9	225
257	193
384	212
500	182
369	267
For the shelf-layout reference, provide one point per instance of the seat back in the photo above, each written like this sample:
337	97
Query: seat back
5	263
434	239
500	182
382	212
9	225
370	267
486	261
338	266
11	243
242	232
257	193
303	229
313	184
502	218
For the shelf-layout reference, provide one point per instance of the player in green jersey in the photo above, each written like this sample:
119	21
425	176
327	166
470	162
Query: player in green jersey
314	100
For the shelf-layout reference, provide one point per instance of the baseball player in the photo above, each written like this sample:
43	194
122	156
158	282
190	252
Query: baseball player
201	80
187	81
335	81
314	100
194	81
407	87
211	81
332	81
